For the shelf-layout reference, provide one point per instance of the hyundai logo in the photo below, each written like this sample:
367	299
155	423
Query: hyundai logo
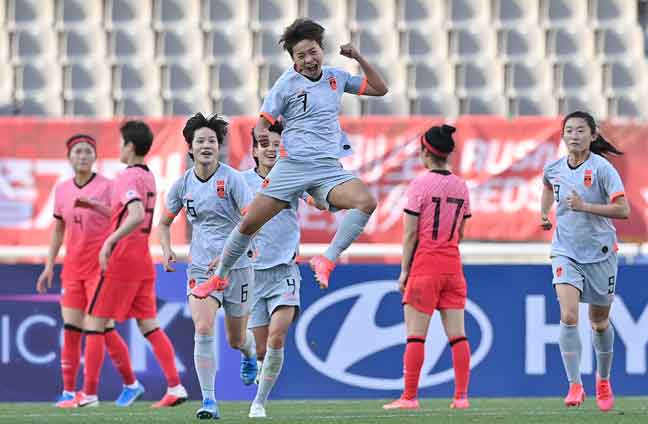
358	337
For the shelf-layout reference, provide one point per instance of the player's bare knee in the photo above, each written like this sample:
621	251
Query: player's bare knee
367	203
276	340
569	317
260	351
204	328
600	325
147	325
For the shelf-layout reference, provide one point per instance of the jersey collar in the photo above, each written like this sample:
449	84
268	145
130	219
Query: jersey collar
441	171
140	165
94	174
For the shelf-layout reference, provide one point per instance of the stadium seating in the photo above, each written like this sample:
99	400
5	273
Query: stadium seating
444	57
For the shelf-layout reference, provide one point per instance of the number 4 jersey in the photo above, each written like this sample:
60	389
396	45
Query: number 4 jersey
130	259
441	202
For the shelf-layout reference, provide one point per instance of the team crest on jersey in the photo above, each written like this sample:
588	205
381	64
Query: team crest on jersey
220	188
559	271
265	183
130	194
587	178
333	83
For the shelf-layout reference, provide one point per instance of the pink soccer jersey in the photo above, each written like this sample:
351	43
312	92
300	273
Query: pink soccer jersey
131	258
85	229
441	201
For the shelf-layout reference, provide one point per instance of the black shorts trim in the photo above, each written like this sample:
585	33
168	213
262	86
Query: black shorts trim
96	294
409	212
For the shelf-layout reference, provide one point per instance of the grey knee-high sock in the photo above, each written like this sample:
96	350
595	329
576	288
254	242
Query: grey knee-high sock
248	348
235	246
570	349
272	364
205	363
350	229
603	345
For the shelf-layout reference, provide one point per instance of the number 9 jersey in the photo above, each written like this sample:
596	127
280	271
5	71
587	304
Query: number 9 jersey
441	201
131	259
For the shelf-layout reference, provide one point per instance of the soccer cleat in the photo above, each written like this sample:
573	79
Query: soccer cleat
173	397
81	400
575	396
65	396
460	403
208	411
402	404
257	411
128	396
322	267
203	290
249	369
604	395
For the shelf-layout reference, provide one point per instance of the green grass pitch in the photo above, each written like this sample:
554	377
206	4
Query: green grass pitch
500	411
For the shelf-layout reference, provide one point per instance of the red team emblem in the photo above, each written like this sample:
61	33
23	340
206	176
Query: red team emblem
265	183
559	271
220	188
192	283
333	83
587	179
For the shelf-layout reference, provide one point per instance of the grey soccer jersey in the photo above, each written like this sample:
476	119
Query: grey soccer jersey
214	207
277	241
581	236
310	111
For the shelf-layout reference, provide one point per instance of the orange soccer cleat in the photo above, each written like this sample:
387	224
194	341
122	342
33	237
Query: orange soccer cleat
460	403
604	395
402	403
576	395
322	267
173	397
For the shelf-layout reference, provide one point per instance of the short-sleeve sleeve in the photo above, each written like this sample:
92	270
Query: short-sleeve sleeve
173	200
414	200
354	84
240	192
612	183
274	102
127	190
58	203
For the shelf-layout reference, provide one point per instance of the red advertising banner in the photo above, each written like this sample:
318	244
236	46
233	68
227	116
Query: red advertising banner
502	161
33	158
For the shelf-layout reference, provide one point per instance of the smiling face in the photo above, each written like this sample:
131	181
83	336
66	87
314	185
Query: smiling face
204	146
308	57
268	154
577	135
82	157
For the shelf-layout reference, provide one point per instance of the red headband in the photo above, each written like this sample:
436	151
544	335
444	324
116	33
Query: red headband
432	149
81	139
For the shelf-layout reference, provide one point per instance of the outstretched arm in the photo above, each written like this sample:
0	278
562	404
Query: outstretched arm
376	86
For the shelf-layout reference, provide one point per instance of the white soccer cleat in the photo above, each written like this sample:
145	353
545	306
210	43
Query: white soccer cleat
257	411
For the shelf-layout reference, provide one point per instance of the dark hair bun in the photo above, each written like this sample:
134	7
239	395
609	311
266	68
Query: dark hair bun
440	138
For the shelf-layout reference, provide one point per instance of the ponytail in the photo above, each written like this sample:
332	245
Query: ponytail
602	147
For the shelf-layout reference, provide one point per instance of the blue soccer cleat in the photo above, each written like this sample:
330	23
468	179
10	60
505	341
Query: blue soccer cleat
208	411
128	396
65	397
249	369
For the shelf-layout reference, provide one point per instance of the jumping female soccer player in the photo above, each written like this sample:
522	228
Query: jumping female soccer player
82	213
431	272
308	97
215	197
588	192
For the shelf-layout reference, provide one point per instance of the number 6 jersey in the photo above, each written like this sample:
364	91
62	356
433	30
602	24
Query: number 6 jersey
130	259
441	201
214	207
